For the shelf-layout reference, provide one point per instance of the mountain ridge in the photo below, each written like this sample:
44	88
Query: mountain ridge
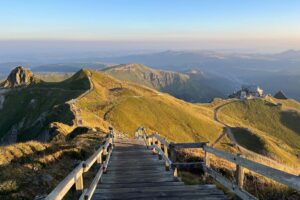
192	86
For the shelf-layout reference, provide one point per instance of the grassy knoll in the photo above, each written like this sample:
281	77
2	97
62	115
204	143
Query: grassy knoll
277	128
127	106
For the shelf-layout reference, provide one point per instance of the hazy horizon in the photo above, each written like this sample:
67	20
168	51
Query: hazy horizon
262	26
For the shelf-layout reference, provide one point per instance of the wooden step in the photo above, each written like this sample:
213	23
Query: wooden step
155	195
118	176
158	188
135	173
137	180
138	185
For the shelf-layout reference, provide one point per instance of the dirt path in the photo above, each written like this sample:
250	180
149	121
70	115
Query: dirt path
77	111
257	157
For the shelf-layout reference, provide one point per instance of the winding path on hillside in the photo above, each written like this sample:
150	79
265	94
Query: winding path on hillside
228	130
243	150
74	109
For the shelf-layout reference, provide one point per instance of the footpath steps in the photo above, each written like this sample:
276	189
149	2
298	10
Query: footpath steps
135	173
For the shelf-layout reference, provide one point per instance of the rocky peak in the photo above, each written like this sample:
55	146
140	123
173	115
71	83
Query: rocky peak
19	76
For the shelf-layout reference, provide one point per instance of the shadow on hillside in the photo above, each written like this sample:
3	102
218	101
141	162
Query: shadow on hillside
291	120
248	140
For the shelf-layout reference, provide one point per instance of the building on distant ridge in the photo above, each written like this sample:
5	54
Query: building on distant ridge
280	95
248	91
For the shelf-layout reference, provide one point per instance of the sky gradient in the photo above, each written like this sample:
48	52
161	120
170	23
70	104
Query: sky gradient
244	23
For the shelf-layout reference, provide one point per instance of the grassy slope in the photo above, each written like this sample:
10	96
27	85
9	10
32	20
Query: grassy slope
278	129
33	168
52	76
127	106
192	88
28	104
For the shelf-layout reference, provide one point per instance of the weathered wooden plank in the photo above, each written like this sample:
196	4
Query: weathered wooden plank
137	180
169	194
158	188
90	161
160	139
187	145
64	186
161	153
228	184
277	175
140	172
95	181
138	185
117	177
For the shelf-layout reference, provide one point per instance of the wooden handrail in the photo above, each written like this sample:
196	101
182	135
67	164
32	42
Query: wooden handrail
88	195
161	153
275	174
64	186
282	177
75	177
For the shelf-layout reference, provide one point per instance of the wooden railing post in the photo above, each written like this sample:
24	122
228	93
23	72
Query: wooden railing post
99	159
206	163
239	174
79	183
153	143
167	155
79	180
172	152
148	140
159	146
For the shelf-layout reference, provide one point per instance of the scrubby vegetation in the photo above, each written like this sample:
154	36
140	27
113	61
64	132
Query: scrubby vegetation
33	168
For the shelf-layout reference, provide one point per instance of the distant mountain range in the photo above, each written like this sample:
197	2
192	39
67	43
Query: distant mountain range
273	72
192	86
266	70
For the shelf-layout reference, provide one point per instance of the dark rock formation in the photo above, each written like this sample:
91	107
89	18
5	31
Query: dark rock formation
19	77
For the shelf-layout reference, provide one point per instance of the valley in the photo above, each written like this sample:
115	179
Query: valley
262	129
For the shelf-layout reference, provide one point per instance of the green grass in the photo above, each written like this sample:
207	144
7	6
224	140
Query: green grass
52	76
46	101
277	128
127	106
249	140
195	88
33	168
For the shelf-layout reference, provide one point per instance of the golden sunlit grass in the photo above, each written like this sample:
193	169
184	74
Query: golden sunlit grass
258	185
33	168
278	129
127	106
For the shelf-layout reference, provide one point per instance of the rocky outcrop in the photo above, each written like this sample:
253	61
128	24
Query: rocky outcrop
18	77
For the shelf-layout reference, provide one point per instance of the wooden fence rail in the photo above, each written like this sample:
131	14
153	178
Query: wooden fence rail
76	176
158	143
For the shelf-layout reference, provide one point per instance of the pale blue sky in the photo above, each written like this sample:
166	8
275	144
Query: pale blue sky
152	20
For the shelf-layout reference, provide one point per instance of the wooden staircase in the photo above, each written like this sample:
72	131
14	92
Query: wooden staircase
134	172
131	170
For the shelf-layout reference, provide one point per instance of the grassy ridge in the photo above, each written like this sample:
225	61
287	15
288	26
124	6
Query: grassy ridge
194	87
31	110
278	129
127	106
